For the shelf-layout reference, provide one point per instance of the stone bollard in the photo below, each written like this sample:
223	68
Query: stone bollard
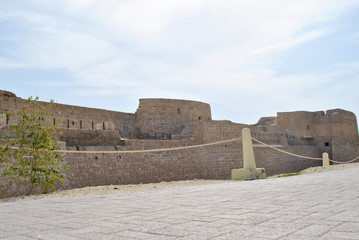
249	170
325	159
248	153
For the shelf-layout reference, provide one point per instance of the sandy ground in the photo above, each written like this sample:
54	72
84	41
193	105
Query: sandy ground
115	189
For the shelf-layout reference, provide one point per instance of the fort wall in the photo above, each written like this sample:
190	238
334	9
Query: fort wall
84	137
320	129
168	116
75	117
212	162
167	123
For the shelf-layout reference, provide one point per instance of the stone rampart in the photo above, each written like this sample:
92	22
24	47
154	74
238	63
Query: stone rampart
168	116
212	162
75	117
90	137
167	123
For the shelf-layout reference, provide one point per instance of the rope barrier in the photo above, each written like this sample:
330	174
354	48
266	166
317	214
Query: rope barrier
350	161
292	154
198	146
300	156
149	150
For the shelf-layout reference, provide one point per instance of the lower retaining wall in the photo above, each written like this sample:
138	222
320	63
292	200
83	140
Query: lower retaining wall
276	162
211	162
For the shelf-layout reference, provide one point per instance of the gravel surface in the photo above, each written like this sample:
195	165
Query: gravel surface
115	189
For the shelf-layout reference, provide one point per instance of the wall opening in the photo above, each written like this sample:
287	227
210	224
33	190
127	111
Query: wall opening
307	127
54	121
178	111
103	126
80	124
73	122
77	148
92	125
7	119
326	144
199	118
68	123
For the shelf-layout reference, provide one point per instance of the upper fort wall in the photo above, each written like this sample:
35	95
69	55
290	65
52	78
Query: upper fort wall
74	117
169	116
154	118
321	129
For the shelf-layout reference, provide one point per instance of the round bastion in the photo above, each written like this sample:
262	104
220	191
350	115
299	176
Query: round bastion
170	116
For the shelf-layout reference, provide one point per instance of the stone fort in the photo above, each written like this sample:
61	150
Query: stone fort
168	123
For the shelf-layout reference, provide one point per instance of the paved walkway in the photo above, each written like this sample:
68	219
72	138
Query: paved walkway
316	206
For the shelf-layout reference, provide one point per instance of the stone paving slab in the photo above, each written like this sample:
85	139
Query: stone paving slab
316	206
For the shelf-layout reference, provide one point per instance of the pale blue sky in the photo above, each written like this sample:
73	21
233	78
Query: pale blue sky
247	59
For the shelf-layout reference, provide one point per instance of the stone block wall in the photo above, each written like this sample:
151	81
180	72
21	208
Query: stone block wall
296	125
276	163
168	116
74	117
74	137
166	123
212	162
221	130
345	148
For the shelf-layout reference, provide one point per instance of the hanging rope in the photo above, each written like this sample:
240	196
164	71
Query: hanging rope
149	150
350	161
300	156
292	154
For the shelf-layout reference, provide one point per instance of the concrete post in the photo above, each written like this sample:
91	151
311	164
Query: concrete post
325	159
249	170
248	153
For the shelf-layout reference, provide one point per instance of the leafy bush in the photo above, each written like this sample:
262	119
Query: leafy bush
30	153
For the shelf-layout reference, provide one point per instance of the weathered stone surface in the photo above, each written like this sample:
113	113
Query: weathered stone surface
168	123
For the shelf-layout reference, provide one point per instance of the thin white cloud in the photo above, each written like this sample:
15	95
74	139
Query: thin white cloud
188	48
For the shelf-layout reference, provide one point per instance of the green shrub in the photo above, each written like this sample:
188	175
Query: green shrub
29	154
